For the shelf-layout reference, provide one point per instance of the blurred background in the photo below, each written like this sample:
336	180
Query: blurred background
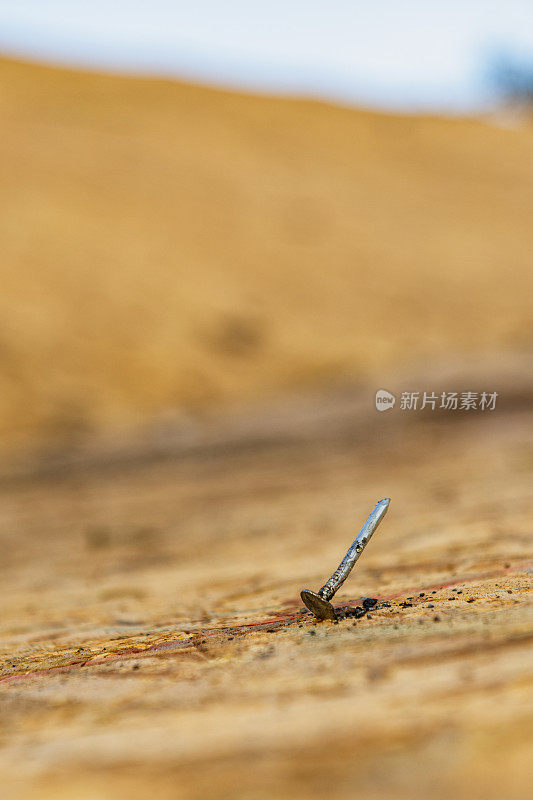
209	205
223	228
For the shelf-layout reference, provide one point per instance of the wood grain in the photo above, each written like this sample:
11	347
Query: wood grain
154	643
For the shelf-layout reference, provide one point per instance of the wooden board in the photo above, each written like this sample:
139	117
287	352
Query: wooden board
172	248
153	642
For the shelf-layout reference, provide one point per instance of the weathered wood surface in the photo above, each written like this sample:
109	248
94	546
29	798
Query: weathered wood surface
153	642
169	248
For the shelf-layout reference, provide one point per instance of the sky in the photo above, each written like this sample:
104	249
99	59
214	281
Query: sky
396	54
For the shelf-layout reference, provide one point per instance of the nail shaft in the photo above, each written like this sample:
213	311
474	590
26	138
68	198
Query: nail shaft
355	550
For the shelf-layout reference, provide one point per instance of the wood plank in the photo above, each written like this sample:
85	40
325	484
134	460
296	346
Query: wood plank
153	640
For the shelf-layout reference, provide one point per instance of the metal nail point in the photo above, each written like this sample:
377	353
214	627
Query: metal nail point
318	602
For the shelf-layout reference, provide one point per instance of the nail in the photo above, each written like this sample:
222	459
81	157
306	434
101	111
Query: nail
318	602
